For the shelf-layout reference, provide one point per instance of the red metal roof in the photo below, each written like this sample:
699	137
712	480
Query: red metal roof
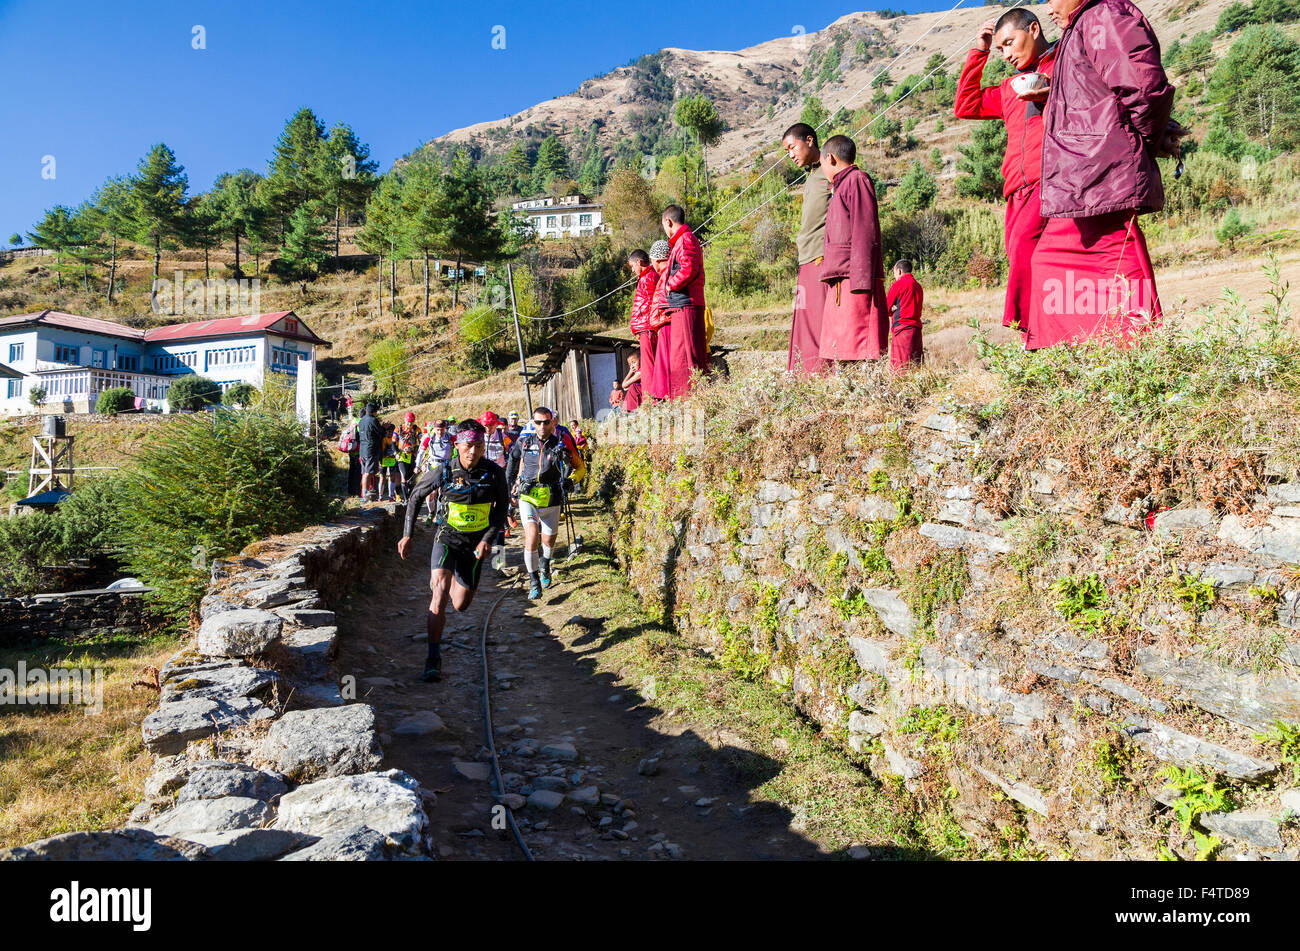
226	326
218	327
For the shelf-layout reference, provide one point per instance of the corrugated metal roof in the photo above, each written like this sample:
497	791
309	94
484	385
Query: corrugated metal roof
55	318
217	327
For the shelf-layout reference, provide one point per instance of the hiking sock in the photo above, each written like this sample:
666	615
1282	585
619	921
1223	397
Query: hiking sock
433	664
530	561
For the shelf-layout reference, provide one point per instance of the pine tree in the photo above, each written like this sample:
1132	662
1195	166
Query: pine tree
472	228
55	233
384	226
425	217
295	174
700	116
552	162
238	208
112	204
346	172
515	169
201	229
158	201
979	170
306	245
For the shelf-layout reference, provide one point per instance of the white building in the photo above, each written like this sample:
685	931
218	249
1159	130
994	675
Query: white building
570	216
75	358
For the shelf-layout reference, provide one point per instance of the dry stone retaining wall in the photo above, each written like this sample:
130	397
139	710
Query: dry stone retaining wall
259	755
990	703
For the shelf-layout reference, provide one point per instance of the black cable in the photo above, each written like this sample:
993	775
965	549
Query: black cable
491	743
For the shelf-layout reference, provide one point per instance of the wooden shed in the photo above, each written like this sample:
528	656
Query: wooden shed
579	370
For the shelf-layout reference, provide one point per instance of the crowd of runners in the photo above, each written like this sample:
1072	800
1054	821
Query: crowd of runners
477	481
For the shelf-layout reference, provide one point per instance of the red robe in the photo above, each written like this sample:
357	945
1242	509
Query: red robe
1021	169
805	331
1092	277
904	301
643	303
855	324
680	297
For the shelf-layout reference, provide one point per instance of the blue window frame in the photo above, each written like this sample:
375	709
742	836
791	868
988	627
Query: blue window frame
64	353
15	388
15	352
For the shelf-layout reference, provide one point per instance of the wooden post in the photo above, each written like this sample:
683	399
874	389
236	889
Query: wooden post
519	339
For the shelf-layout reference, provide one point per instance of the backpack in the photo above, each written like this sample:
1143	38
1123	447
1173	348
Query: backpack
348	439
708	325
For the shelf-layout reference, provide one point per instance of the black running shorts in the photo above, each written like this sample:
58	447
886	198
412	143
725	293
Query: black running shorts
457	558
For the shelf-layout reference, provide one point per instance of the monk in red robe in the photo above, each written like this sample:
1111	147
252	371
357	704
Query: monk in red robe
680	297
800	143
657	382
1018	37
1107	120
642	308
904	302
855	325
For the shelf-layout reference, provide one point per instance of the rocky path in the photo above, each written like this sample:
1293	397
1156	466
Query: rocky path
592	771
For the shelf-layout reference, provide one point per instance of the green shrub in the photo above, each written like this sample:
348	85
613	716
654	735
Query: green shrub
206	486
193	393
86	523
241	394
115	400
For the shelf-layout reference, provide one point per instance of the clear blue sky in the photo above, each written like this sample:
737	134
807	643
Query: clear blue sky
95	84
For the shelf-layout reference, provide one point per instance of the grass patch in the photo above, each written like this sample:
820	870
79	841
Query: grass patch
63	771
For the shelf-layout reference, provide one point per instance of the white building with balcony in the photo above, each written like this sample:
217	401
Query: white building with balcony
568	217
74	358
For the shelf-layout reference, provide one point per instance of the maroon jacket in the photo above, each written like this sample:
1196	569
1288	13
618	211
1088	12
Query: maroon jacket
643	301
1022	163
853	233
1107	113
683	283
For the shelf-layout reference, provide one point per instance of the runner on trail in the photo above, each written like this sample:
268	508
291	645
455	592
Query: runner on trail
408	445
471	506
370	444
387	463
513	429
535	472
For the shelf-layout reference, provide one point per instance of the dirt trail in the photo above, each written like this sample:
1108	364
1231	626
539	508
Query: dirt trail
696	803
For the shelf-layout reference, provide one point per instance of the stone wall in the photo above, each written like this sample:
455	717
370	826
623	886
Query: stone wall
72	616
1025	666
259	754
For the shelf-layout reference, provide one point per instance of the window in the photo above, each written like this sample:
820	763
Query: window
584	221
566	221
130	363
64	354
15	352
550	221
15	388
291	326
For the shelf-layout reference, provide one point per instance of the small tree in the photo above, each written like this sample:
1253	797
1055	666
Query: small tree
36	396
307	243
241	394
388	365
15	239
115	399
193	393
1231	228
916	191
700	116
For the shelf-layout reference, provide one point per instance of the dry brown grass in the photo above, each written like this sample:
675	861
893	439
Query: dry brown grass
61	770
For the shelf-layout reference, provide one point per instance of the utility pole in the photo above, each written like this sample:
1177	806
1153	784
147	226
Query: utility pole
519	339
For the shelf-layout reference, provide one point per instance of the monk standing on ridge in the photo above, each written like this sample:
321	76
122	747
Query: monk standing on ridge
1107	120
855	325
905	301
1018	37
800	144
681	299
